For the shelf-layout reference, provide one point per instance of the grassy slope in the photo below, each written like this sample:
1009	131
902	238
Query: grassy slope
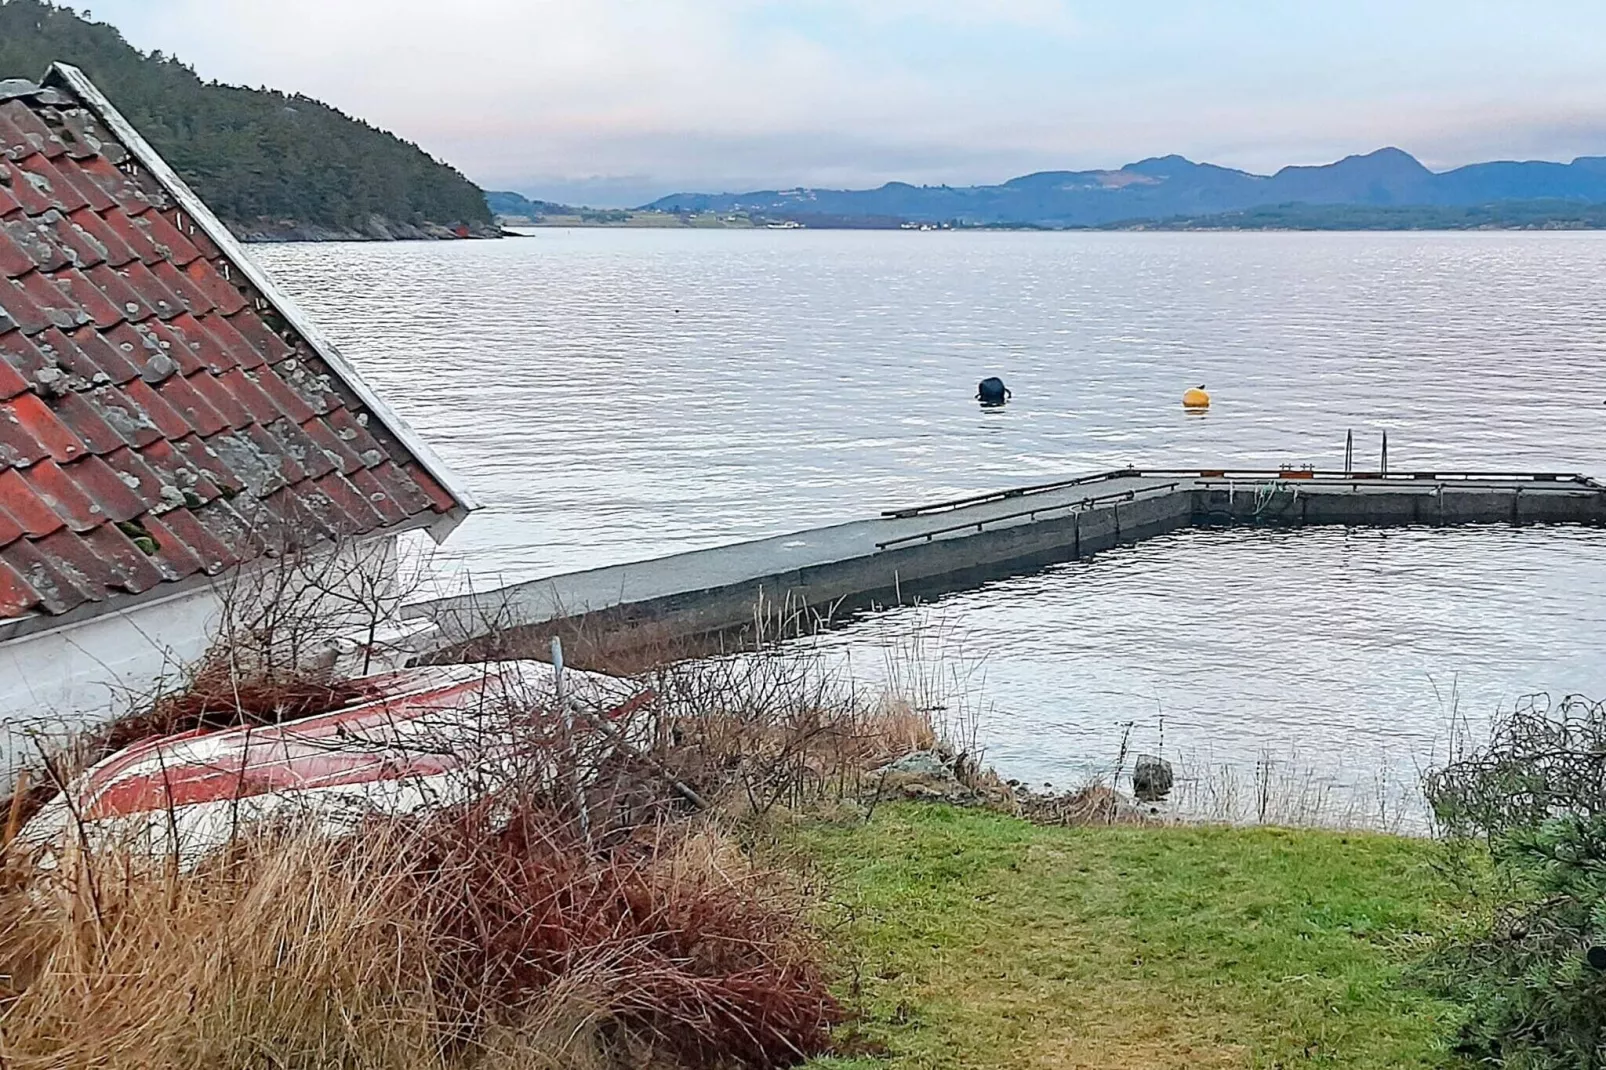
980	941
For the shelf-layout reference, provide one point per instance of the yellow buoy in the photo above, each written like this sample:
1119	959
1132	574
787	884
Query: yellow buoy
1196	398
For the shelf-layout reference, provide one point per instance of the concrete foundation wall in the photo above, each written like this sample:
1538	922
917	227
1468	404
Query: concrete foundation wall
1433	505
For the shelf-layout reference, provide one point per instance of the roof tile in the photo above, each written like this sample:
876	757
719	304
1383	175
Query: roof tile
175	470
27	508
338	489
222	293
18	308
23	355
209	464
114	283
22	133
161	300
8	203
179	285
230	341
247	393
182	539
286	400
116	184
16	143
80	247
310	378
82	419
203	244
60	490
72	560
11	383
170	244
353	431
24	188
85	302
10	528
221	399
402	490
306	521
134	570
439	499
343	456
16	596
296	444
84	186
60	589
260	476
14	258
156	409
191	406
94	227
104	485
379	496
22	248
152	491
273	451
56	188
167	551
30	415
244	538
191	347
87	354
125	415
54	296
252	332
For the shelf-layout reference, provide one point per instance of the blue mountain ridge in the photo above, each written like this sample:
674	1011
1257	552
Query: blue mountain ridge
1167	187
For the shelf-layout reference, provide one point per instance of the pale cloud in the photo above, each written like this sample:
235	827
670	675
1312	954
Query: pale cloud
637	96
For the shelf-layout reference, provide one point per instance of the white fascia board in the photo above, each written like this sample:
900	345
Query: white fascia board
92	98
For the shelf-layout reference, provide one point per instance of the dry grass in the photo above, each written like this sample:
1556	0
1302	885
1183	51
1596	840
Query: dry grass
510	931
472	935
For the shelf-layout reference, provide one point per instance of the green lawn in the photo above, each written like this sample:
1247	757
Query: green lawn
975	940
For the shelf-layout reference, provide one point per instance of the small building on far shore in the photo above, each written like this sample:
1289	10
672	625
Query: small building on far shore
170	424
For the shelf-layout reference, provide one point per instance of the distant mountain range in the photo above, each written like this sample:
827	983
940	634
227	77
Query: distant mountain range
1175	188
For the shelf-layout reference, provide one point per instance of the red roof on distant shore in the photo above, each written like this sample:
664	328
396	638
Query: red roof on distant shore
165	412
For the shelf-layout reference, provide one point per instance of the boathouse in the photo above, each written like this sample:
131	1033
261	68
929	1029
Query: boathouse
169	420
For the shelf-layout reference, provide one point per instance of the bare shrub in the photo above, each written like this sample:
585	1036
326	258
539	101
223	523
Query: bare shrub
774	730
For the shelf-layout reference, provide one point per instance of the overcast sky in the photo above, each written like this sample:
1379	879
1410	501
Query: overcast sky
619	101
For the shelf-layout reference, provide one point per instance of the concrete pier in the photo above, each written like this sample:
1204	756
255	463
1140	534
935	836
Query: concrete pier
792	582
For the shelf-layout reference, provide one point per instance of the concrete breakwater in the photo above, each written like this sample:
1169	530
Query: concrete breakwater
791	583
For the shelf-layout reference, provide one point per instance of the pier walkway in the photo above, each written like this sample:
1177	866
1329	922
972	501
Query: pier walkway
919	551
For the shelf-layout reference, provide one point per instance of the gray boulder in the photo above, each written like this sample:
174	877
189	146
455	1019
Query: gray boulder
1152	778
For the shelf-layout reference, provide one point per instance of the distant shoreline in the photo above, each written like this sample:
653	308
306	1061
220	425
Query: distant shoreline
671	221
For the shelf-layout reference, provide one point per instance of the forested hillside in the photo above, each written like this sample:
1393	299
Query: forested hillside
272	165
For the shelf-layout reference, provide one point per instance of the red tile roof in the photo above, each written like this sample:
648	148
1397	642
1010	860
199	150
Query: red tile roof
162	416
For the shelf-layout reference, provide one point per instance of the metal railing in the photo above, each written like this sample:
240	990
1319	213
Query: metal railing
1030	514
1241	474
1004	495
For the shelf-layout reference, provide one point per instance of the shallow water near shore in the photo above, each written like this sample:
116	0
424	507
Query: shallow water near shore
614	396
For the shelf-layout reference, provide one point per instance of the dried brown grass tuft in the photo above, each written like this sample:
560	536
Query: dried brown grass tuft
488	935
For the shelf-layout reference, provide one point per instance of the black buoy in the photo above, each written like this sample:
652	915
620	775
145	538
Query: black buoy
992	392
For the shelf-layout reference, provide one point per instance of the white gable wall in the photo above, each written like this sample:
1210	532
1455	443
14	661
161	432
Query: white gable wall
60	682
71	678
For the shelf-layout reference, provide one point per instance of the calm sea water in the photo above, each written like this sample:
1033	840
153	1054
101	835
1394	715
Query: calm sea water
617	395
